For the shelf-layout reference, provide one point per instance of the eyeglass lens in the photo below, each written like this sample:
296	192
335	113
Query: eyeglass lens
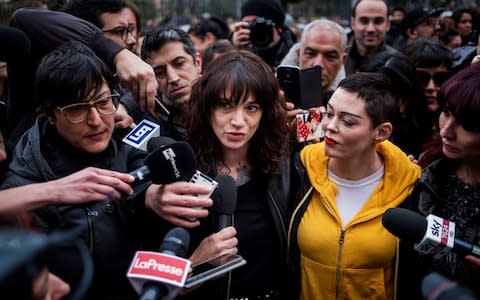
79	112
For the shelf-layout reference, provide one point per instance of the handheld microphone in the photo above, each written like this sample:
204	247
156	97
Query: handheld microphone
160	275
169	163
224	201
157	142
438	287
433	236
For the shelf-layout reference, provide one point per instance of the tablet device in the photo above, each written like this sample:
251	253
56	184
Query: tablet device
212	268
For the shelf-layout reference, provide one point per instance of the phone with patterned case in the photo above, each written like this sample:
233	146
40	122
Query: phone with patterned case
309	126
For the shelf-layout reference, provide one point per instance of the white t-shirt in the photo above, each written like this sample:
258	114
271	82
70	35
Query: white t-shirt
352	194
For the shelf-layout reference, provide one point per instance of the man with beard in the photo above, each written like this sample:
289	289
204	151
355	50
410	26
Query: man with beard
369	23
177	65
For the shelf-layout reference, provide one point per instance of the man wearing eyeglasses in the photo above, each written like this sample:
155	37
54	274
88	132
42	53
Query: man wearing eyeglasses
418	23
50	29
119	20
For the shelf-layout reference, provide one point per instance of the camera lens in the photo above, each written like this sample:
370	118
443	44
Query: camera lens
261	34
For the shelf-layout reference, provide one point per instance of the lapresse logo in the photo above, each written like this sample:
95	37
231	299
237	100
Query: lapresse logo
159	267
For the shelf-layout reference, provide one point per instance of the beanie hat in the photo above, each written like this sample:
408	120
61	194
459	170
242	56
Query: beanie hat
268	9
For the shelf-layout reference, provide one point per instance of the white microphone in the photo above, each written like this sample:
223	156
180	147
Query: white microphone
141	134
433	235
161	275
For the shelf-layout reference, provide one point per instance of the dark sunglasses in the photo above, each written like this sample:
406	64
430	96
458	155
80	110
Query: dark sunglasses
438	78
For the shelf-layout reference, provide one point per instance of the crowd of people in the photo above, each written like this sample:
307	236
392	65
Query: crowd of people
400	129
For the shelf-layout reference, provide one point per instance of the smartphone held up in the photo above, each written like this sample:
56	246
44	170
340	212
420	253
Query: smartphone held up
302	87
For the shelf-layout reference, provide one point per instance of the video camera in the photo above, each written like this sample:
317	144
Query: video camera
261	34
24	254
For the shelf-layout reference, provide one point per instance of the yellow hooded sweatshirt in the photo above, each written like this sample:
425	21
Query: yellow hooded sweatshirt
354	260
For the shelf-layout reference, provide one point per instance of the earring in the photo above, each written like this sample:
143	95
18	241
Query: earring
50	120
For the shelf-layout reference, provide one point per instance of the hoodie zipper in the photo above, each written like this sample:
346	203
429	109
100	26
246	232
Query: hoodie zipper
90	237
341	242
339	261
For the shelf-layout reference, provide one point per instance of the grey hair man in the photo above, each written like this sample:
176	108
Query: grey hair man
323	43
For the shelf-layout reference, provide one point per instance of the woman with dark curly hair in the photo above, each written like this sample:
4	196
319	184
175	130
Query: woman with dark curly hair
236	125
239	80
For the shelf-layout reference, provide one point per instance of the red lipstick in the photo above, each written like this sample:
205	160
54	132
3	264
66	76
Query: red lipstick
330	141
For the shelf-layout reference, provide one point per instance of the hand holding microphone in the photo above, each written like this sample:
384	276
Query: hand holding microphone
182	199
178	202
224	241
433	235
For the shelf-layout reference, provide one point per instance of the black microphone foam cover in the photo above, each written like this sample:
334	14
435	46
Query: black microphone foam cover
225	195
176	242
171	163
405	224
159	141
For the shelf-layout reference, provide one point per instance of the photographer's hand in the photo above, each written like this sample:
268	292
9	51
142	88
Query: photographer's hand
241	35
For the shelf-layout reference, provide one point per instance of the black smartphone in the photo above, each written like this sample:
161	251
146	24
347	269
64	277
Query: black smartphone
311	87
302	87
289	79
213	268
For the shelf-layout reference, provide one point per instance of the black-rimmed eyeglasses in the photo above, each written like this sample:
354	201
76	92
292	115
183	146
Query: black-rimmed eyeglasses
122	31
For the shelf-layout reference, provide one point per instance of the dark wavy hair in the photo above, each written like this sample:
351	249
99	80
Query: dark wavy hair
245	74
